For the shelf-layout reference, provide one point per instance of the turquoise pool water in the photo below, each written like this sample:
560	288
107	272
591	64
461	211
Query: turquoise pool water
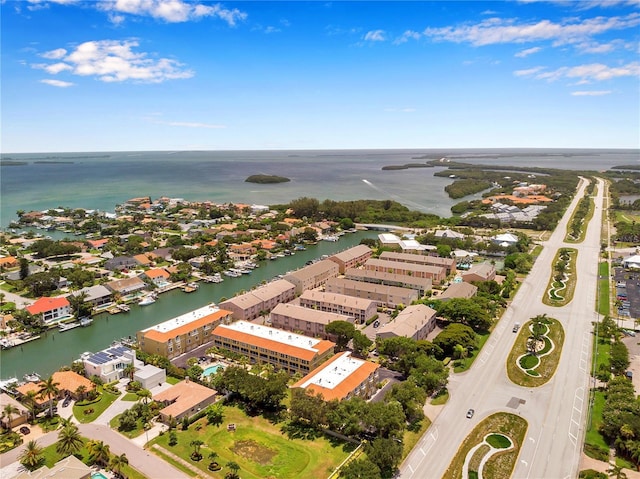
98	475
212	369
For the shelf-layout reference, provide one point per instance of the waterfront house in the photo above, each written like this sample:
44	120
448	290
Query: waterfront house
126	286
68	384
184	399
352	257
159	276
261	300
342	377
360	309
307	321
414	322
183	333
313	276
283	349
110	363
51	309
17	418
97	295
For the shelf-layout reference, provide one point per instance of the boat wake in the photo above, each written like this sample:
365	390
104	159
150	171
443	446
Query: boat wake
399	199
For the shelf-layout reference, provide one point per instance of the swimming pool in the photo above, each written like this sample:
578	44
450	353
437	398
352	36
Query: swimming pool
98	475
210	370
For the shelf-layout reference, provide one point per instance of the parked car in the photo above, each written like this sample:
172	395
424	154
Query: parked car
516	327
67	401
470	413
25	430
376	324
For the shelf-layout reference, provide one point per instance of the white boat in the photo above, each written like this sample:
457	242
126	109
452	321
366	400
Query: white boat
216	278
31	378
146	300
66	327
85	322
123	307
330	238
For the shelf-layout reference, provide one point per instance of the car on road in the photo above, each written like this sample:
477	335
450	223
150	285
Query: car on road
516	327
470	413
25	430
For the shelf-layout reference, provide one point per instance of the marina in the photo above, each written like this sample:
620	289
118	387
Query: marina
53	350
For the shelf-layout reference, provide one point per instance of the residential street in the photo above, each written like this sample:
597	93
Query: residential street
556	412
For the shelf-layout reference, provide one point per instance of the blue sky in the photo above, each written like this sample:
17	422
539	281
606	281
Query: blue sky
109	75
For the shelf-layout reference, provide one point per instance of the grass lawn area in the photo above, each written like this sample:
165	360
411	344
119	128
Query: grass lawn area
567	292
603	289
91	411
171	380
130	397
500	465
411	438
593	439
603	353
441	398
259	447
585	222
465	363
51	457
115	422
548	363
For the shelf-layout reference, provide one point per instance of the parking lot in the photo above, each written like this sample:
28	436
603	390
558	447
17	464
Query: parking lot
628	292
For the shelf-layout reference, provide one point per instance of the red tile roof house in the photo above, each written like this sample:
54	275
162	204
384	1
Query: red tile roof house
51	309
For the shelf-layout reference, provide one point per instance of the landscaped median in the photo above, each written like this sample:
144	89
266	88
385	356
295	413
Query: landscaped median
562	283
491	449
535	355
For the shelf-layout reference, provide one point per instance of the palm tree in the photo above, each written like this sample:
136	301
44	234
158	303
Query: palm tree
234	468
32	456
8	411
31	404
49	390
99	452
616	472
196	443
117	463
129	370
145	395
77	302
80	390
69	440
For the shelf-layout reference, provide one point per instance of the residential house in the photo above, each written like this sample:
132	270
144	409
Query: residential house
97	295
150	376
68	468
51	309
184	399
158	276
17	418
120	263
110	363
342	377
283	349
505	239
126	286
8	262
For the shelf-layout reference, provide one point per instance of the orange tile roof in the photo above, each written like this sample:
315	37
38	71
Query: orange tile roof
142	259
293	351
344	387
185	395
156	273
25	388
69	381
97	243
518	199
162	337
47	304
8	261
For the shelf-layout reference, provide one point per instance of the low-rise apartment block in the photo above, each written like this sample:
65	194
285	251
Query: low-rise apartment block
262	344
421	285
414	322
309	322
359	309
458	290
352	257
183	333
342	377
382	295
480	272
435	273
313	276
263	299
448	263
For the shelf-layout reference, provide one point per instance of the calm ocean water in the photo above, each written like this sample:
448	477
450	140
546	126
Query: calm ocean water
113	177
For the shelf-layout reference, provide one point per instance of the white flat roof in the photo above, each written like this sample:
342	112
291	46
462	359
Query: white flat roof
273	334
183	319
334	373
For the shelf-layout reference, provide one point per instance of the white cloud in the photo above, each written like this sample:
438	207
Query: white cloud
57	83
115	61
406	36
375	36
172	11
527	52
591	93
496	30
584	73
54	54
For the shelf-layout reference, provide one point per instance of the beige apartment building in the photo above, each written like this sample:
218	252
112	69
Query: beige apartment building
435	273
183	333
458	290
352	257
421	285
307	321
480	272
448	263
387	296
414	322
313	276
283	349
359	309
263	299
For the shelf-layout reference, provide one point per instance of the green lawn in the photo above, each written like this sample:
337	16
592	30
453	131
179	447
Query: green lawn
90	412
465	363
441	398
171	380
567	292
259	447
603	289
130	397
593	438
115	422
411	438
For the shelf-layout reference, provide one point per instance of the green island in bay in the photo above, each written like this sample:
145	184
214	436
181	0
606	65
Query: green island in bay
264	179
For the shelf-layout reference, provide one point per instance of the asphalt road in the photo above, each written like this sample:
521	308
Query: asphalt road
556	412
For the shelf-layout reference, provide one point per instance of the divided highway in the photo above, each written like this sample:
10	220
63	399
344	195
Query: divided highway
556	412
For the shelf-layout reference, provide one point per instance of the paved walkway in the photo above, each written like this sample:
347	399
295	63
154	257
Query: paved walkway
18	300
198	473
587	462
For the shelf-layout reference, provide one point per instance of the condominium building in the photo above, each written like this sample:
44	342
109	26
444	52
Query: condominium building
359	308
448	263
309	322
183	333
421	285
458	290
414	322
480	272
313	276
352	257
261	300
283	349
342	377
434	273
382	295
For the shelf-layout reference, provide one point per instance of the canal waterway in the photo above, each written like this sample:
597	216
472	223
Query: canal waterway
55	349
